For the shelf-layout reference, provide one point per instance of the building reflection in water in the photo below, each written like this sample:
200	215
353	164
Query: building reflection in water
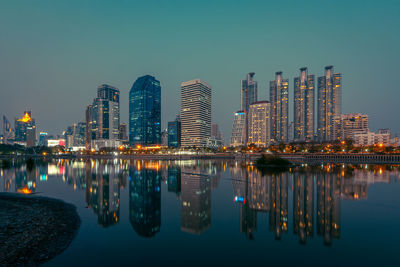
316	192
196	201
278	216
145	199
328	206
303	205
103	192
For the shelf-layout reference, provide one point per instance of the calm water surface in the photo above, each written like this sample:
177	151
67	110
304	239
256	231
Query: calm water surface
211	213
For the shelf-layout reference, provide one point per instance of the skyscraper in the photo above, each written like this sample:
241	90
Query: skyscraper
279	94
195	113
23	126
174	133
248	92
145	111
105	117
329	102
239	130
248	95
304	106
259	124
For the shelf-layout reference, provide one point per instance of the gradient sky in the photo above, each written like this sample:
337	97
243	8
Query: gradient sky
54	54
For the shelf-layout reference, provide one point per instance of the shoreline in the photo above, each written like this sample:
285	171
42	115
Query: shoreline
356	158
34	229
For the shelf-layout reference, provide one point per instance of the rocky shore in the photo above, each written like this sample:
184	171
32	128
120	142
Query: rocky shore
34	229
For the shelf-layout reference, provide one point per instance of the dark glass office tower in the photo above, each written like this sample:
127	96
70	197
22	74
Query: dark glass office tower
174	133
145	200
145	111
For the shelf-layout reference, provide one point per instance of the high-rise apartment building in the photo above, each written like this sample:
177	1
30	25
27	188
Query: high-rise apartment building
279	95
259	123
195	113
123	132
344	126
145	111
329	102
239	130
304	106
105	117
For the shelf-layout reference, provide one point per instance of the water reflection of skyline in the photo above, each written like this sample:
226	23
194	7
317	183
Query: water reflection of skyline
315	193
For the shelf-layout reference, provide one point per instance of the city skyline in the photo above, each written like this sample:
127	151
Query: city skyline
42	79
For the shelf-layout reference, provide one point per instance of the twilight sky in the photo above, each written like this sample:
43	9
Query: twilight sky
54	54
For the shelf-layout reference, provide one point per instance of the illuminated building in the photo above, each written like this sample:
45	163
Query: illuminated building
371	138
346	125
196	202
328	206
329	102
304	106
259	123
195	113
104	194
105	117
303	206
279	95
145	112
43	136
278	215
24	128
174	133
239	130
145	201
79	134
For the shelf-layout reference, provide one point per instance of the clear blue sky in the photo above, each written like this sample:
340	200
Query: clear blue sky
54	54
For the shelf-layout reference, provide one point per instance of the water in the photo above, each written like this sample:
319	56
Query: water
210	213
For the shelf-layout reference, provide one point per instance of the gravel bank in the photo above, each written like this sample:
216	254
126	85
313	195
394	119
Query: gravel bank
34	229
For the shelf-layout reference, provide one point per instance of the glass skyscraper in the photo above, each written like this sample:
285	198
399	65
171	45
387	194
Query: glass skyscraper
145	111
174	133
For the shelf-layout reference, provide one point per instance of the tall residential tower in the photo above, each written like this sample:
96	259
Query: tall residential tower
279	94
304	106
329	102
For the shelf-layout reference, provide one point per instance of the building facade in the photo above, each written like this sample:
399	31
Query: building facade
259	122
346	125
239	130
329	102
304	106
105	117
145	111
279	98
25	129
195	113
371	138
174	133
